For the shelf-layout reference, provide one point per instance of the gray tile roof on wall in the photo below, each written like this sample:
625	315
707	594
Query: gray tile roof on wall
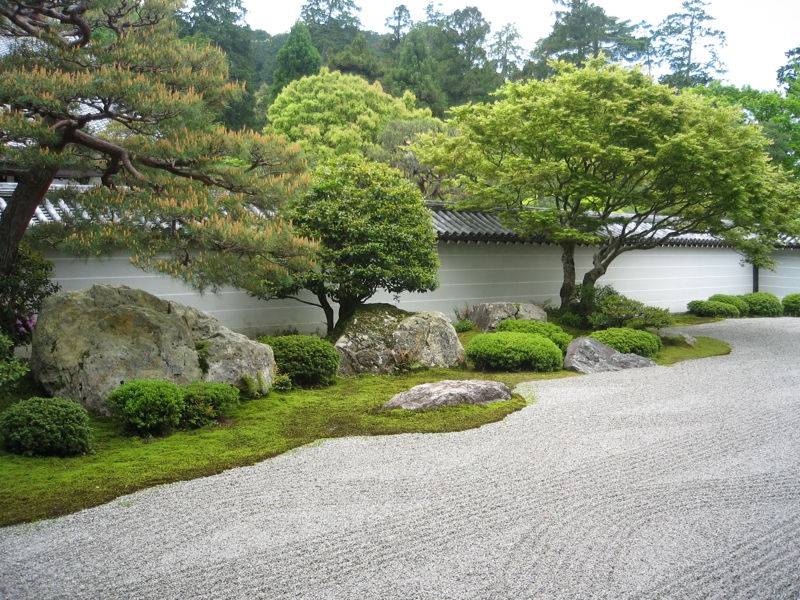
450	225
468	226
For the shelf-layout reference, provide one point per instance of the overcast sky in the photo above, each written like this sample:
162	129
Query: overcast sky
759	32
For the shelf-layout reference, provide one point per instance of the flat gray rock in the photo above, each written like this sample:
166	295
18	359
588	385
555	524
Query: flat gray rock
450	393
487	316
587	355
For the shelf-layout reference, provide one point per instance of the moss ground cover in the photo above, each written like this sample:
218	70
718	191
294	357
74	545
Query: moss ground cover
258	429
39	488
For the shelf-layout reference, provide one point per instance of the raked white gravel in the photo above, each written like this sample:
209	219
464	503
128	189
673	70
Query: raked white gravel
667	482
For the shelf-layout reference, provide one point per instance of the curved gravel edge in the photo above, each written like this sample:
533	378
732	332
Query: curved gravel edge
676	481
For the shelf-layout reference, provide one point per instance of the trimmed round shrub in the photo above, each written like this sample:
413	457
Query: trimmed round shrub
204	402
148	406
791	305
549	330
46	427
736	301
512	351
709	308
627	341
309	361
763	304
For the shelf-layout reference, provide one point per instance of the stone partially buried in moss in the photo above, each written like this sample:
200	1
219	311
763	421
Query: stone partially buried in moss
450	393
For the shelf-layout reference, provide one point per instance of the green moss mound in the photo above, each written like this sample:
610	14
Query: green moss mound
627	341
513	351
46	427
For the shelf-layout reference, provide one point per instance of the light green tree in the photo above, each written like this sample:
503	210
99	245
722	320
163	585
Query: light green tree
332	113
375	233
108	87
604	156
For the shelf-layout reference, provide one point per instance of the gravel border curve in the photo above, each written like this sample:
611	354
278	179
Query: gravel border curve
666	482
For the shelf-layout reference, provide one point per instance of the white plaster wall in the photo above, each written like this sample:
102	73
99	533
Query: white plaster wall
234	308
670	277
470	273
785	279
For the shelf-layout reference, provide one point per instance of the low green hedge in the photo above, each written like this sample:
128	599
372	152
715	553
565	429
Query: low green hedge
46	427
737	301
791	305
710	308
512	351
627	340
763	304
549	330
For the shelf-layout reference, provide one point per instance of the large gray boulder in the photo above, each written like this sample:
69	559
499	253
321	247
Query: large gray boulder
87	343
487	317
380	338
588	355
450	393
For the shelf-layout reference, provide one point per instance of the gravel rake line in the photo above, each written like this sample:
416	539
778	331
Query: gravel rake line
667	482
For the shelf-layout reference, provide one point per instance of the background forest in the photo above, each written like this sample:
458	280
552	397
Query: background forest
447	60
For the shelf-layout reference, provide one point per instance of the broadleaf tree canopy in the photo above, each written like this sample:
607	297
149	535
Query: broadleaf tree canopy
335	114
375	233
606	157
107	87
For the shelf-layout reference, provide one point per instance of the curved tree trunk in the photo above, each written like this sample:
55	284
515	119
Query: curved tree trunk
18	214
326	308
569	291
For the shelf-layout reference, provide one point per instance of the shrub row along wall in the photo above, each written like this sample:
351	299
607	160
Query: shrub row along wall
471	273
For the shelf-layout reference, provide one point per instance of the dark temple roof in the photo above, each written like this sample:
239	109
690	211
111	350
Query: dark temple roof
472	226
450	225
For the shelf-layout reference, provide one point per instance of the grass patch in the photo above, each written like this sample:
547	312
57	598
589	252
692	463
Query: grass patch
705	348
38	488
686	319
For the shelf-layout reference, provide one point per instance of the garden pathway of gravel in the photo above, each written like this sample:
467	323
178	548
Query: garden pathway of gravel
668	482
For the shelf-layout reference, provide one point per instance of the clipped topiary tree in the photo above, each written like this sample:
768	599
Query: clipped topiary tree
46	427
549	330
791	305
627	340
763	304
708	308
513	351
309	361
737	301
148	406
375	233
